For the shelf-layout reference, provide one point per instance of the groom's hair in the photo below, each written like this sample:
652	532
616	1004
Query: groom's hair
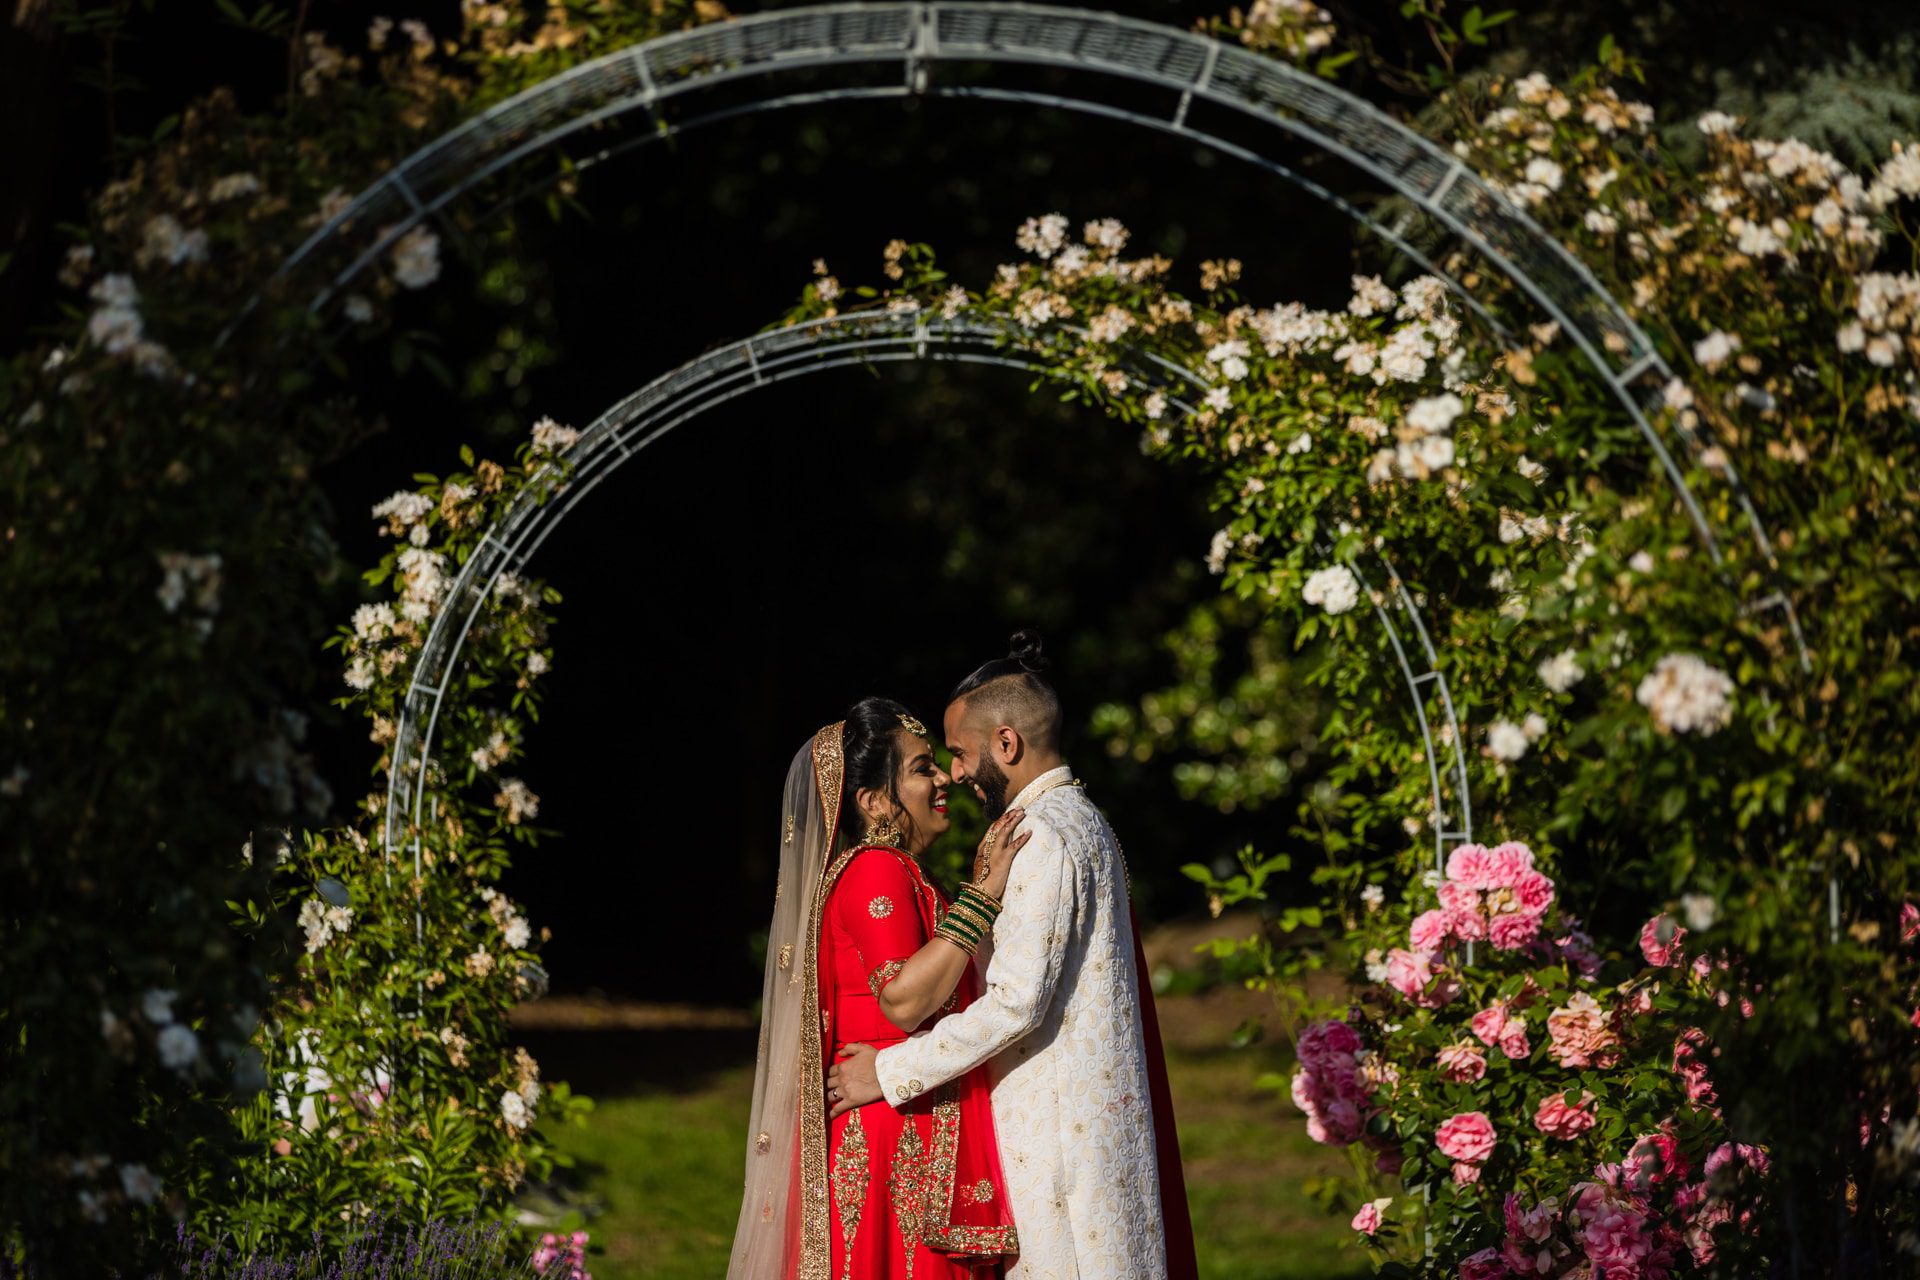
1011	691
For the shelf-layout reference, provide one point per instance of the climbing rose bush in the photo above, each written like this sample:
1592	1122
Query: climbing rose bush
1611	665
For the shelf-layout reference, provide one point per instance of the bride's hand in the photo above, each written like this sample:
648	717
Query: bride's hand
994	860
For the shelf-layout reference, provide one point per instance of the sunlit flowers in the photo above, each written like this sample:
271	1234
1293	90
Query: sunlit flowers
1333	588
1580	1034
517	803
1687	695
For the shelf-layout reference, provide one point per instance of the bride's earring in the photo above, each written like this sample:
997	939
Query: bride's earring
887	833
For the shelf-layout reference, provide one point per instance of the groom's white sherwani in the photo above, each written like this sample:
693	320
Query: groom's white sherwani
1060	1021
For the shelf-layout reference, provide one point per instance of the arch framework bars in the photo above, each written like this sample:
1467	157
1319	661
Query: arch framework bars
960	38
680	396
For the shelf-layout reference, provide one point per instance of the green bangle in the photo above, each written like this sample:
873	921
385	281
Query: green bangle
961	935
971	914
986	899
977	899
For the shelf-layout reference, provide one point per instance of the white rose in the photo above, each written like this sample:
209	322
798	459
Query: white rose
1506	740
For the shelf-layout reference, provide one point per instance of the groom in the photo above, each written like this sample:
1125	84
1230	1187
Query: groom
1080	1102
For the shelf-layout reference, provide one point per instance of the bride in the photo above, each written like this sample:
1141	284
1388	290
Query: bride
863	948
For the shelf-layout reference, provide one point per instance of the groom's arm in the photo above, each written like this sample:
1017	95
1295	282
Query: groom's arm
1029	950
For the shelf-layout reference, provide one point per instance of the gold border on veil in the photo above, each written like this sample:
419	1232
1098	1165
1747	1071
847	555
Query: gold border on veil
816	1257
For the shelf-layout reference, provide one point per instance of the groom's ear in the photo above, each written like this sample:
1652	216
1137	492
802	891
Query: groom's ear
1008	745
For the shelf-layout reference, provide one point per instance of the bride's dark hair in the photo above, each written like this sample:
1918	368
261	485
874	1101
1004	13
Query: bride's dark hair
870	760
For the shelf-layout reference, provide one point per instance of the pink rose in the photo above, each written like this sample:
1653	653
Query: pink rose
1737	1155
1909	922
1408	972
1506	863
1367	1221
1468	926
1429	931
1615	1239
1511	931
1465	1173
1485	1265
1458	898
1513	1041
1466	1137
1323	1041
1581	1034
1700	1225
1462	1063
1467	865
1660	953
1489	1023
1534	892
1556	1119
1652	1160
1688	1064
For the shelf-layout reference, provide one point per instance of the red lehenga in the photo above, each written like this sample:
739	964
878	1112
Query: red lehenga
916	1192
880	1193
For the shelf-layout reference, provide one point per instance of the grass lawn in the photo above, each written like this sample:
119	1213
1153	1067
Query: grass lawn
659	1162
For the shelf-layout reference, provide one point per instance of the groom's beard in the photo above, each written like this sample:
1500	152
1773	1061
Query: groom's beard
993	788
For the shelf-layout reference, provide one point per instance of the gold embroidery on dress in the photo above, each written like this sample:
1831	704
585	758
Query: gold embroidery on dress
852	1170
789	828
983	1192
907	1187
763	1143
786	954
881	907
939	1230
816	1254
886	973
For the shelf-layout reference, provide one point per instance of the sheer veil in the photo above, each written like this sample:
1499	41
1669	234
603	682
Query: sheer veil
782	1230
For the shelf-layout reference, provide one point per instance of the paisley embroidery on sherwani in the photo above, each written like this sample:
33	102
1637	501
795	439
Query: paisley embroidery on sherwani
852	1171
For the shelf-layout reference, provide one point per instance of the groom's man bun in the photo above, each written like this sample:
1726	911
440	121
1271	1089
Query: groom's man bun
1011	691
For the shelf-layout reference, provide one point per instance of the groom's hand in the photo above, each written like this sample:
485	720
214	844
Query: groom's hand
852	1081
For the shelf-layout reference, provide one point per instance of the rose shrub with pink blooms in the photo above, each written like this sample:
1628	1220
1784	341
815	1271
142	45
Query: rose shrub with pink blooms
1693	716
1540	1111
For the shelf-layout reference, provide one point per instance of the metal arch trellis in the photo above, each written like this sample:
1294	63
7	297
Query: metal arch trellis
959	35
859	339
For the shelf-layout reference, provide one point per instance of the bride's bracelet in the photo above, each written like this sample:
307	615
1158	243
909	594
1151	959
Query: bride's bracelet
969	918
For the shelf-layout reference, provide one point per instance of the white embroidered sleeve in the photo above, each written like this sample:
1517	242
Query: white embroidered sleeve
1029	948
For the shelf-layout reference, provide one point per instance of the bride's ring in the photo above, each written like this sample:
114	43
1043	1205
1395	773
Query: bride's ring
836	1093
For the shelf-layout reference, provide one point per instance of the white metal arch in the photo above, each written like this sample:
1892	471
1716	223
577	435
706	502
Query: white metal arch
959	37
862	338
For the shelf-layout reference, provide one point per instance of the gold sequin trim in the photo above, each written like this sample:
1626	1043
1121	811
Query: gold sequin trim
789	828
852	1171
786	954
881	907
886	973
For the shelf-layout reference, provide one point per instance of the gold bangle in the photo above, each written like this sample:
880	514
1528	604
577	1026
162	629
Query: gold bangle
965	915
959	934
986	899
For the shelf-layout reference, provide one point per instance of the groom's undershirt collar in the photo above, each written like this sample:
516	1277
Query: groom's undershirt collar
1040	783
